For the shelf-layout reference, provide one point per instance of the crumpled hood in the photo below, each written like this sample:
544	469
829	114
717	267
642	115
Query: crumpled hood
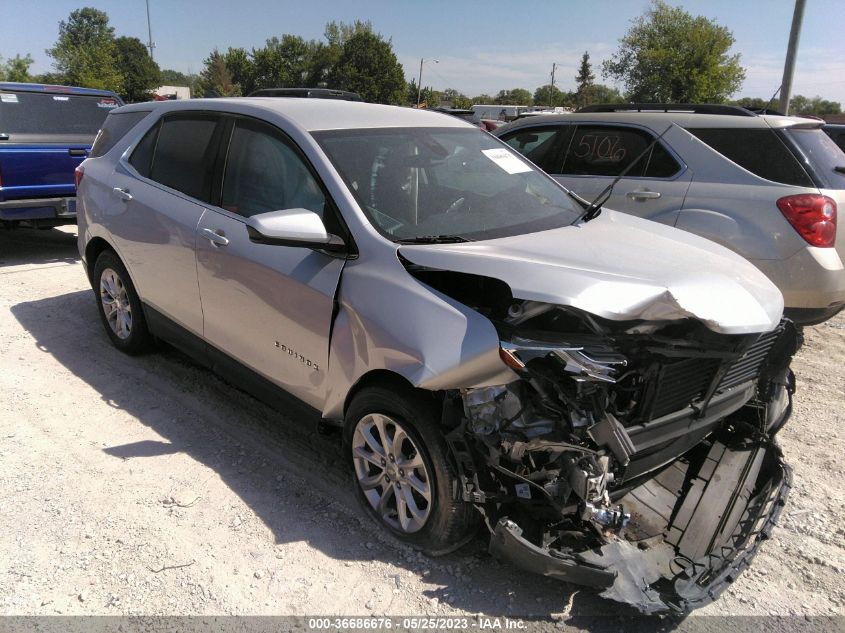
620	267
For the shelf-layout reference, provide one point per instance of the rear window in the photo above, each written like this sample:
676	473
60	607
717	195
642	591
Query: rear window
821	155
759	151
114	129
48	113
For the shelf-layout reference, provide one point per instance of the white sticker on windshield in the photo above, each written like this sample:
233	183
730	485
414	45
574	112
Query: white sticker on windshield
61	98
506	160
7	98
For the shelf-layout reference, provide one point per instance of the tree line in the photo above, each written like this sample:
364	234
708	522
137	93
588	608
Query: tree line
667	56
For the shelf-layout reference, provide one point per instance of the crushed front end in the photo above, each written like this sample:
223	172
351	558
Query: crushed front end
636	457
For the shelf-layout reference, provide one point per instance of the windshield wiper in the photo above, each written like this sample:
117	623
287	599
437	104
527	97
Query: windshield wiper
434	239
594	209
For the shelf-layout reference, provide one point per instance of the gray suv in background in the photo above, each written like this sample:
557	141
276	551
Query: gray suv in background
768	187
603	395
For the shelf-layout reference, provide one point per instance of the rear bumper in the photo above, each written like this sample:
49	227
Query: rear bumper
60	210
813	280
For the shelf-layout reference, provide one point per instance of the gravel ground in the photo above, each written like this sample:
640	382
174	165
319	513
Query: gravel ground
149	486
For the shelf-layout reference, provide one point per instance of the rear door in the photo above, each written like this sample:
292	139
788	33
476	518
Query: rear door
159	195
596	153
268	306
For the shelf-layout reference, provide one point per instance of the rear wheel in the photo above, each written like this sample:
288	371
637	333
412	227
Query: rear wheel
401	471
119	305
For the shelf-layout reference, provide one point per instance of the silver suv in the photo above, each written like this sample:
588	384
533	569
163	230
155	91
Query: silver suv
767	187
603	394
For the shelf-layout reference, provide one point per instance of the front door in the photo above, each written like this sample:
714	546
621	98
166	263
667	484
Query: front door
267	306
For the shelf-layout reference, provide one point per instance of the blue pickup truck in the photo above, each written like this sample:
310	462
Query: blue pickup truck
45	132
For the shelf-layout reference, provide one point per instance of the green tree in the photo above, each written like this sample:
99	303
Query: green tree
669	55
517	96
325	55
367	65
215	78
481	99
456	98
16	69
599	93
171	77
282	63
85	53
240	65
141	75
815	106
552	96
752	103
584	81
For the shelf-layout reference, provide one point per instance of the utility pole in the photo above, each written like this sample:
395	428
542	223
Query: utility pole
552	86
791	52
150	44
419	81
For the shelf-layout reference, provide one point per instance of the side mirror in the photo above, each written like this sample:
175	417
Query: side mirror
292	227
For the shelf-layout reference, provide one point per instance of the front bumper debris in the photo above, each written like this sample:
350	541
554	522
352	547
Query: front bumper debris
695	527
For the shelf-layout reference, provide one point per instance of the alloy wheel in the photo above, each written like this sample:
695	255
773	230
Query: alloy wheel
391	472
115	302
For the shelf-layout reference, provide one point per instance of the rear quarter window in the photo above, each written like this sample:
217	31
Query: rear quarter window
759	151
116	126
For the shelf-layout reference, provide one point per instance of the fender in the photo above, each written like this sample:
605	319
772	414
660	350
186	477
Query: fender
378	327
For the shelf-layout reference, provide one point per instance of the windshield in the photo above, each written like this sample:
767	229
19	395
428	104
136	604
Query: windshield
822	155
427	182
46	113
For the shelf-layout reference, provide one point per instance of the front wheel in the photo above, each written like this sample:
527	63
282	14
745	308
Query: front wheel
403	476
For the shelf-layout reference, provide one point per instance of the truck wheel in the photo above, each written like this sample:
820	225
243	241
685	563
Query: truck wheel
119	306
401	471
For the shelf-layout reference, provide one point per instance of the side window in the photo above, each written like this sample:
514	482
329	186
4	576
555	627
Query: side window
115	128
759	151
264	173
544	146
598	150
142	155
184	154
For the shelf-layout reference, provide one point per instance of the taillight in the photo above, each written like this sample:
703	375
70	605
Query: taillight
812	215
78	173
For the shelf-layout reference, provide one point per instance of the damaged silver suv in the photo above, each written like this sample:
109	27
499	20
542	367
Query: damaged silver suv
601	392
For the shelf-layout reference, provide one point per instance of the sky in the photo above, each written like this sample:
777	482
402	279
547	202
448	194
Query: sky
481	47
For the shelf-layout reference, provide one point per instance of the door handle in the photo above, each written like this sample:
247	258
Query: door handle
214	237
643	195
123	194
78	152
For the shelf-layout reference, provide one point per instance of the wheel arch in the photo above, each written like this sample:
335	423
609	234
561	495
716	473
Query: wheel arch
380	378
93	249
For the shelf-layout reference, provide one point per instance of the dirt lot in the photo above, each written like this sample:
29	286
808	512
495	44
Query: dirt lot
149	486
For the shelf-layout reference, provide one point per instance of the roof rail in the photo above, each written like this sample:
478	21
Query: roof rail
694	108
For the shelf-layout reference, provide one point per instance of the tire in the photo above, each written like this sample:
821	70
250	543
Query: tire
125	324
447	523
